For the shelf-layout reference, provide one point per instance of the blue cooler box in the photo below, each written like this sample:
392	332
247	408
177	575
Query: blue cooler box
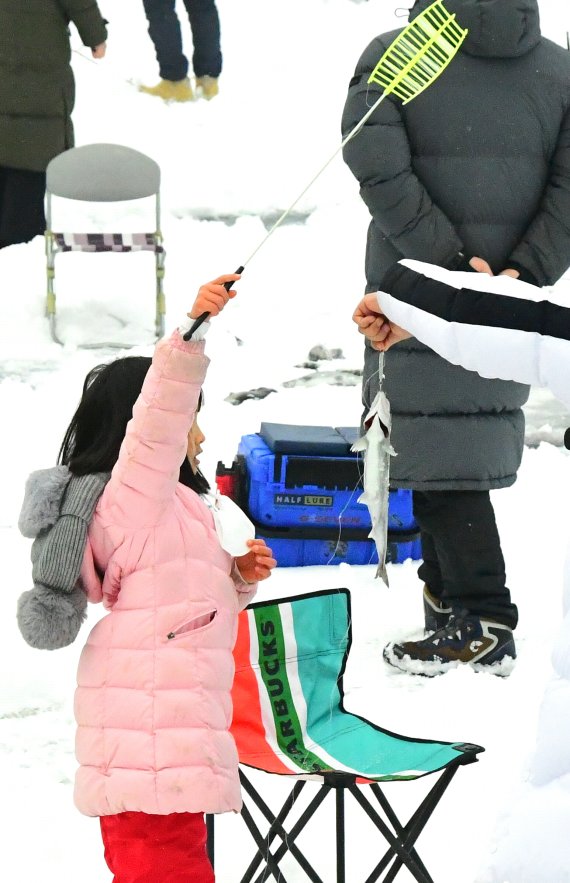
301	489
294	547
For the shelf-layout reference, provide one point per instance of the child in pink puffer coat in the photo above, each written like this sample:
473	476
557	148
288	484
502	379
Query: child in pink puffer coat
174	567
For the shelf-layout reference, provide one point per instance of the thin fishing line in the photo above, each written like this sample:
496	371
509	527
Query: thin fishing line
345	636
100	63
372	376
345	141
345	507
86	57
359	460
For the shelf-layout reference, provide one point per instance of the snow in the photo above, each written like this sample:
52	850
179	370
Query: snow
229	168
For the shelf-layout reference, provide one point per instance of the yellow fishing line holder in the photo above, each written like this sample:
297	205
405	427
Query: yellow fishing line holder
419	54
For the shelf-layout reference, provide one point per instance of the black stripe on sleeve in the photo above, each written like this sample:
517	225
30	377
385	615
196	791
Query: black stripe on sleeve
469	307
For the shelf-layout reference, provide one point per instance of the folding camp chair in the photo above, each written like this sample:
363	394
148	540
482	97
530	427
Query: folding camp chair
290	720
103	173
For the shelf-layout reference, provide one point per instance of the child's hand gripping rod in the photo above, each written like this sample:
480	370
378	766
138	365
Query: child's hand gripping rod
410	64
203	316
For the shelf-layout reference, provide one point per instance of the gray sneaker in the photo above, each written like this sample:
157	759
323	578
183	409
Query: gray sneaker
465	640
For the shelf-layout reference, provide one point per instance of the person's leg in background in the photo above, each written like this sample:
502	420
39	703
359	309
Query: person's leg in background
141	848
464	572
22	194
466	541
436	611
2	208
207	55
164	31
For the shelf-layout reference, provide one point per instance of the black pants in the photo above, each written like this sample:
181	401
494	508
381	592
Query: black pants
463	563
21	205
164	30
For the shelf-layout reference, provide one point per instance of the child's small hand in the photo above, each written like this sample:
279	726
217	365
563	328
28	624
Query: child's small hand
212	297
257	564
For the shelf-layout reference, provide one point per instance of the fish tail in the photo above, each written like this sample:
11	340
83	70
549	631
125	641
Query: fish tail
382	573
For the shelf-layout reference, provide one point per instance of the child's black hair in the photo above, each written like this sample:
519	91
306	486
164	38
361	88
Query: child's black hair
94	436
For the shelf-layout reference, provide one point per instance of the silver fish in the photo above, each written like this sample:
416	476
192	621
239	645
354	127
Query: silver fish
375	444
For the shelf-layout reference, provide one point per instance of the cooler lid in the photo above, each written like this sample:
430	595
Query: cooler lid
286	438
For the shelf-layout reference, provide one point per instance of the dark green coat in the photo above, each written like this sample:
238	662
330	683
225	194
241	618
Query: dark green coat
37	89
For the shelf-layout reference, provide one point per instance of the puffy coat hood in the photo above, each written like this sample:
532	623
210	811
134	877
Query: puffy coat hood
497	28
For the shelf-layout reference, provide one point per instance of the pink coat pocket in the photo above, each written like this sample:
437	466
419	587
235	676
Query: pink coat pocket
192	626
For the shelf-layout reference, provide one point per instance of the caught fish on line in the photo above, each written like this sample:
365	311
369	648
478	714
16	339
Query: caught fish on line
377	449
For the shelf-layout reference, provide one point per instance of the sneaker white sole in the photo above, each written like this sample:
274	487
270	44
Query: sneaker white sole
431	669
417	666
501	669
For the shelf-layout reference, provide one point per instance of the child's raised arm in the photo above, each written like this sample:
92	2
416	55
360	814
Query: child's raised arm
144	479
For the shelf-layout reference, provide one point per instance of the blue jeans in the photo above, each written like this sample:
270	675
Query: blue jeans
164	31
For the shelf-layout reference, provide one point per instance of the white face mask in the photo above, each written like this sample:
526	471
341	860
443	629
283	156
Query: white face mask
233	527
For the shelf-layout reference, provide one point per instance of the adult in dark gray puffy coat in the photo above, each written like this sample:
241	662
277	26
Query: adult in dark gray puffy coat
37	93
477	166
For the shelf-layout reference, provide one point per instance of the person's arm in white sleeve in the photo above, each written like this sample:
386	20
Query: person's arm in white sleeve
495	325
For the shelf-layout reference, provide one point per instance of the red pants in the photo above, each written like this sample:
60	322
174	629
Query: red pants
141	848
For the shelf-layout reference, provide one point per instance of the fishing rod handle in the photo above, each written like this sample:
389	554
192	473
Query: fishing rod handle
203	316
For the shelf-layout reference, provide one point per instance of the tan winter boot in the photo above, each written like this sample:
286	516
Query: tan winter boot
207	87
170	90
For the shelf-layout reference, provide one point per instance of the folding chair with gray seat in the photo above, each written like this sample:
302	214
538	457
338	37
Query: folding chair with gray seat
103	173
289	720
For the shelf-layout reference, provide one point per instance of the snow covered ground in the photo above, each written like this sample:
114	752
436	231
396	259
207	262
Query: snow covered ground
229	167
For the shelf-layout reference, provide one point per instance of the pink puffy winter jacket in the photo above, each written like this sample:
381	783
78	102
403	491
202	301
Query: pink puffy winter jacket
153	703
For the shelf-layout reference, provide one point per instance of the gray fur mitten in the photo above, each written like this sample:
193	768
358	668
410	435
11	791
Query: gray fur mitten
49	618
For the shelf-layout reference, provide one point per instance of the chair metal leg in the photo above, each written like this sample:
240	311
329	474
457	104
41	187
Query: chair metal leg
276	822
416	824
276	829
398	847
262	846
288	841
402	830
50	293
160	297
401	845
340	845
401	842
